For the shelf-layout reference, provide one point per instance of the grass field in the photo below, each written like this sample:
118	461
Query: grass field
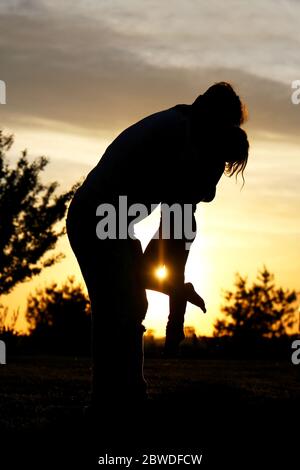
191	401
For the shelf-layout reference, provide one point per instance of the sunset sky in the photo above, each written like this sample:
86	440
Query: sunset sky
77	73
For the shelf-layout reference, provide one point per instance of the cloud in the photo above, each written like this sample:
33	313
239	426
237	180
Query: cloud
75	70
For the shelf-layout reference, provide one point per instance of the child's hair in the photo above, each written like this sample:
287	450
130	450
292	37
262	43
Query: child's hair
220	103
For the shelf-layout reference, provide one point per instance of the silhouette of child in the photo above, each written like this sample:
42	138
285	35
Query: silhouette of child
172	253
173	156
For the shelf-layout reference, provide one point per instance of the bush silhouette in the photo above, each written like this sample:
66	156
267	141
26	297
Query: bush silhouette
59	318
29	213
257	312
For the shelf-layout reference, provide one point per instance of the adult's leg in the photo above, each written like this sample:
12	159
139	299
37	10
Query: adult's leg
119	304
118	299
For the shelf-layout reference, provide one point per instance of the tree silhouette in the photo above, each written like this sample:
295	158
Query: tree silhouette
60	314
29	213
259	311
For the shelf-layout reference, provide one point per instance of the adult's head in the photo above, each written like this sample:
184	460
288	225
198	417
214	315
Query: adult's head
224	147
219	104
216	117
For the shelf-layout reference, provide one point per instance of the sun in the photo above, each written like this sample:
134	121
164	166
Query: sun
161	272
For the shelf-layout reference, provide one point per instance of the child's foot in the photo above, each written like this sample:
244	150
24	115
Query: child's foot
193	297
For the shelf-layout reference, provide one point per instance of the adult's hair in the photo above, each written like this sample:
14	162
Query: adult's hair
216	117
233	148
219	104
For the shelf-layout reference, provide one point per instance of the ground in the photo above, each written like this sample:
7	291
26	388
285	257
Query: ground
218	407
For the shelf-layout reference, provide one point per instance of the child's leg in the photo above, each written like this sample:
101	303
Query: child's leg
177	299
173	255
175	325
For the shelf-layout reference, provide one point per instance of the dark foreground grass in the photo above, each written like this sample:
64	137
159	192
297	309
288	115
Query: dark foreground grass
223	408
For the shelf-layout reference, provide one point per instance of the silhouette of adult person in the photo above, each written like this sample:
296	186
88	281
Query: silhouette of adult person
173	156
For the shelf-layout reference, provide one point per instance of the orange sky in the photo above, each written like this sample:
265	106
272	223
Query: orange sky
240	231
76	77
